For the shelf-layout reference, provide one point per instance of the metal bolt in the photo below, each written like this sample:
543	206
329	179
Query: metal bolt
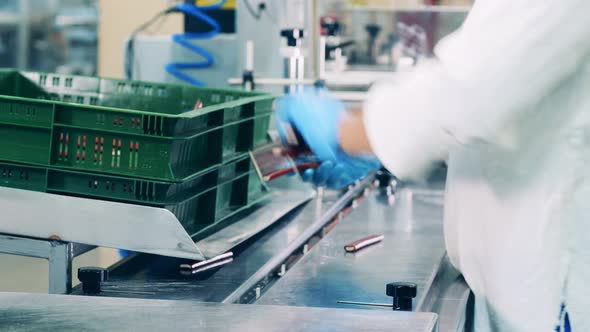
389	191
394	184
283	270
391	200
402	293
320	192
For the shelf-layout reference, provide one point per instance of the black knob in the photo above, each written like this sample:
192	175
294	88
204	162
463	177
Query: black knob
402	293
292	36
373	30
331	26
91	278
384	178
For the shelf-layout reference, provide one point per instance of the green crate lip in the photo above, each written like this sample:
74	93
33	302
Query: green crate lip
12	124
238	158
254	97
260	197
171	138
248	96
234	158
257	116
162	204
134	201
231	159
189	114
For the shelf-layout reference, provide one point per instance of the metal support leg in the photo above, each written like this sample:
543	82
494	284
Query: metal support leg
60	267
59	255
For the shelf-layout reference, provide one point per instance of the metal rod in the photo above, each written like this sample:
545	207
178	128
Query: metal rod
248	75
201	264
300	72
107	291
22	246
274	81
292	247
321	59
314	33
256	166
366	304
212	266
291	73
249	55
24	34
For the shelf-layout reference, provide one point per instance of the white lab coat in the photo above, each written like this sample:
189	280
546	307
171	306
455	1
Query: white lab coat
508	101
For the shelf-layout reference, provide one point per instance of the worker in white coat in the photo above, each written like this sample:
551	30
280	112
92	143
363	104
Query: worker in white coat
506	102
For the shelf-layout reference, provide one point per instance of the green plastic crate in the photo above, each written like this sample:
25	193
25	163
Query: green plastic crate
123	99
117	188
152	138
198	204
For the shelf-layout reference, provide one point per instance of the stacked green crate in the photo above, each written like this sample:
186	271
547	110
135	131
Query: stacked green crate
174	146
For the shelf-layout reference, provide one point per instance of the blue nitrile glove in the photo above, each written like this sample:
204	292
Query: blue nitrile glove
333	175
317	117
124	253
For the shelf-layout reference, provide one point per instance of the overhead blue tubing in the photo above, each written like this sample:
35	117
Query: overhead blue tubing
177	69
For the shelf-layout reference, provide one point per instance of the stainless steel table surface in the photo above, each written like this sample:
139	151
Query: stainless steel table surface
411	251
35	312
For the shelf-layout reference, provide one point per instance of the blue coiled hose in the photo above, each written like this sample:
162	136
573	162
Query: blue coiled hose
176	69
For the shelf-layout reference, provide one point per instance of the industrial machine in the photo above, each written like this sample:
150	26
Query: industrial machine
294	273
369	257
282	44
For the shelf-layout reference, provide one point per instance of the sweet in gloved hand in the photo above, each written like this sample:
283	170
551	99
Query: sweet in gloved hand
317	117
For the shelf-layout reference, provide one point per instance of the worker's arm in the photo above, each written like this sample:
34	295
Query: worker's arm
508	55
352	134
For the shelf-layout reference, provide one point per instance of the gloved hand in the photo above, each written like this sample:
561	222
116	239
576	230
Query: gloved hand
317	118
124	253
333	175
